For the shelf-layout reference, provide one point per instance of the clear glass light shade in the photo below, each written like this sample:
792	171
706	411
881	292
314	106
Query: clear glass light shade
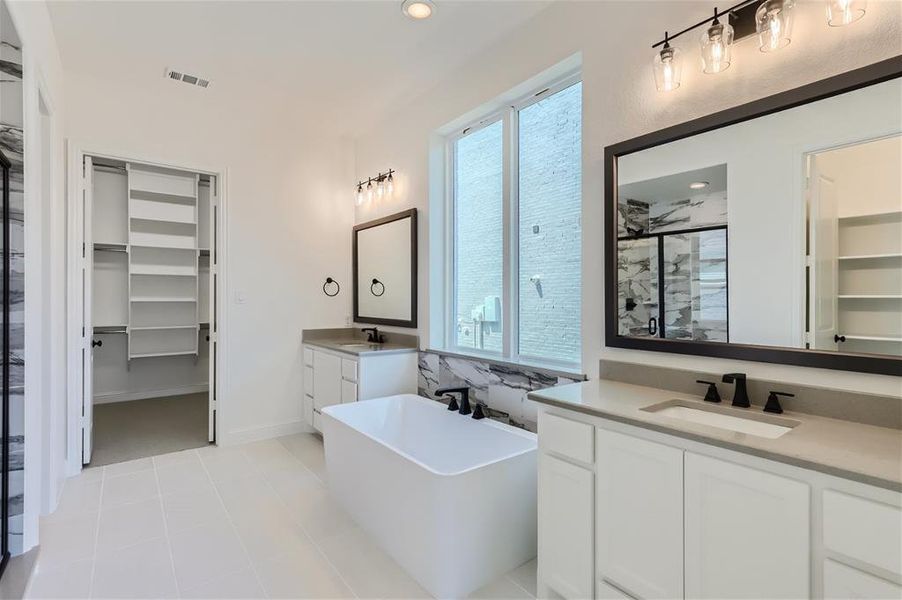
773	21
716	46
843	12
359	196
380	188
369	191
668	67
390	185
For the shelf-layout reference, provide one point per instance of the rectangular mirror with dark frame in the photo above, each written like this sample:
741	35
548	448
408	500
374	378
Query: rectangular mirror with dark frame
385	270
768	232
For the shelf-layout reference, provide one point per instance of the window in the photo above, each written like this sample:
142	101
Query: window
516	238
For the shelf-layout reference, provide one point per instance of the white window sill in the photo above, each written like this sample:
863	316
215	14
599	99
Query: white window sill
572	372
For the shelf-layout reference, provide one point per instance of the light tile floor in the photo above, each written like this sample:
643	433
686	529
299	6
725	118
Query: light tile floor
252	521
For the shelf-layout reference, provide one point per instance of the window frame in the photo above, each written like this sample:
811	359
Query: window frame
509	116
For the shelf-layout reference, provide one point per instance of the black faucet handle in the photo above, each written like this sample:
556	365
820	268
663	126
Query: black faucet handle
773	402
477	412
712	395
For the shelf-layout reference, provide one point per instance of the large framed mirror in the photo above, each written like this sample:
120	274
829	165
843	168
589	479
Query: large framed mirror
768	232
385	270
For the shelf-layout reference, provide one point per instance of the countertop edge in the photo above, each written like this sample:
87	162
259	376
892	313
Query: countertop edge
895	486
334	348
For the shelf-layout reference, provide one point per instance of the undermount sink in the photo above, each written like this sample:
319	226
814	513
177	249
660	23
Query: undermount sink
757	424
360	345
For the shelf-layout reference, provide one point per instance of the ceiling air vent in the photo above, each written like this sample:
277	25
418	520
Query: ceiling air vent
186	78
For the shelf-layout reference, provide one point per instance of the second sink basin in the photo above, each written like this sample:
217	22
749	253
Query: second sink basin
756	424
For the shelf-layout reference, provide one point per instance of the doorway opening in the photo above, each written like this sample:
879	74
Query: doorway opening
149	286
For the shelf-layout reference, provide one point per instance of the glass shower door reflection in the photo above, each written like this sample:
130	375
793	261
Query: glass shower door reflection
637	287
695	286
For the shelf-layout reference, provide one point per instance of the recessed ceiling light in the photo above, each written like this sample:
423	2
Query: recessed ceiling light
698	185
418	9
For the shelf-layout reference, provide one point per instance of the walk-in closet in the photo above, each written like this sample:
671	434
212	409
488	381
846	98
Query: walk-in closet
152	268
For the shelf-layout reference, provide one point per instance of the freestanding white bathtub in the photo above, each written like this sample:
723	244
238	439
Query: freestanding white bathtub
450	498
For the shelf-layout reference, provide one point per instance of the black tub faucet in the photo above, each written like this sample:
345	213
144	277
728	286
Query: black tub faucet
740	395
464	398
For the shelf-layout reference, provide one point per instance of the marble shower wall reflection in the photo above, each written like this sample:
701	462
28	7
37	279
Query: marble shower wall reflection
11	144
502	387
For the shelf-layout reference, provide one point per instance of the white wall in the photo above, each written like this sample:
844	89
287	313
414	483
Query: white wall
289	217
866	176
620	102
45	376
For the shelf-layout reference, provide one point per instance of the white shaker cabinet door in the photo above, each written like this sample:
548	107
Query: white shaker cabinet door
640	515
845	583
565	528
326	380
747	532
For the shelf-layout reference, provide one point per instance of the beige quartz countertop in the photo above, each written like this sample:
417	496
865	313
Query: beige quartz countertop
359	347
864	453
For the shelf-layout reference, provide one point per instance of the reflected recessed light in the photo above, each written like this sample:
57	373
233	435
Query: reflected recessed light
418	9
698	185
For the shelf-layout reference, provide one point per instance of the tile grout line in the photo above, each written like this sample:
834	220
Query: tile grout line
96	534
301	525
234	527
156	477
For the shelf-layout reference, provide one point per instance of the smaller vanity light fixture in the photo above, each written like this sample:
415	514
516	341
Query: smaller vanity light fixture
716	45
843	12
417	9
668	67
773	23
385	186
698	185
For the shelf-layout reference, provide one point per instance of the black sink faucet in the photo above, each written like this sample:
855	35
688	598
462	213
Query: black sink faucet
464	398
740	395
373	336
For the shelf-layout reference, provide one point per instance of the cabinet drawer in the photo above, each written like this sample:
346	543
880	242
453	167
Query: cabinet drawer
842	582
349	370
308	381
568	438
308	357
864	529
348	392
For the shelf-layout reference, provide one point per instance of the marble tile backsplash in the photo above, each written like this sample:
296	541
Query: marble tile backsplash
503	387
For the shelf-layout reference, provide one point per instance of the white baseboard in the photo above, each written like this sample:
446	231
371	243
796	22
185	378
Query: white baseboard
255	434
144	394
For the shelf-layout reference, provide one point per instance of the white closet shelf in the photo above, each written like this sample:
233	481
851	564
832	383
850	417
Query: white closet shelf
123	246
163	247
163	327
874	338
151	196
881	216
162	299
163	219
163	270
161	354
871	256
869	296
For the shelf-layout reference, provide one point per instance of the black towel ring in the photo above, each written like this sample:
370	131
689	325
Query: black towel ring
337	287
373	287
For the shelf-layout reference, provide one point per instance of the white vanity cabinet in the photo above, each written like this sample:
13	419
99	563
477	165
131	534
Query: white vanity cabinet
746	532
333	377
644	515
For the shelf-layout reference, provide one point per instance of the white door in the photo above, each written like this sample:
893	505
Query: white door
747	532
640	516
87	321
824	249
213	330
566	506
326	380
842	583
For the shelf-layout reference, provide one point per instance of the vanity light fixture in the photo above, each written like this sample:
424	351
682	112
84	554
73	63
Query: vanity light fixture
773	22
843	12
418	9
698	185
385	186
668	67
716	45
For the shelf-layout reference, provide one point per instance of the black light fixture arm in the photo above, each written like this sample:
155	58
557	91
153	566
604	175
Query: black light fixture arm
717	14
379	177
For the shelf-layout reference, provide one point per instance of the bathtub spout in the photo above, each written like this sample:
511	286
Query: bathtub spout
464	398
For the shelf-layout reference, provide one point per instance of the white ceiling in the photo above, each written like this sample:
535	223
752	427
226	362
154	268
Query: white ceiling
340	62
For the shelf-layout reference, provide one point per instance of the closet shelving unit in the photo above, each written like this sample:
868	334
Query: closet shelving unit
870	282
163	262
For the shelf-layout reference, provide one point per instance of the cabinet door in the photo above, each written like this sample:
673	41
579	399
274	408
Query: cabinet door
348	391
326	380
565	527
640	515
747	532
842	582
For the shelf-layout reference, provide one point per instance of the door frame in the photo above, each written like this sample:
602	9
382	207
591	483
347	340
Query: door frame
74	215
